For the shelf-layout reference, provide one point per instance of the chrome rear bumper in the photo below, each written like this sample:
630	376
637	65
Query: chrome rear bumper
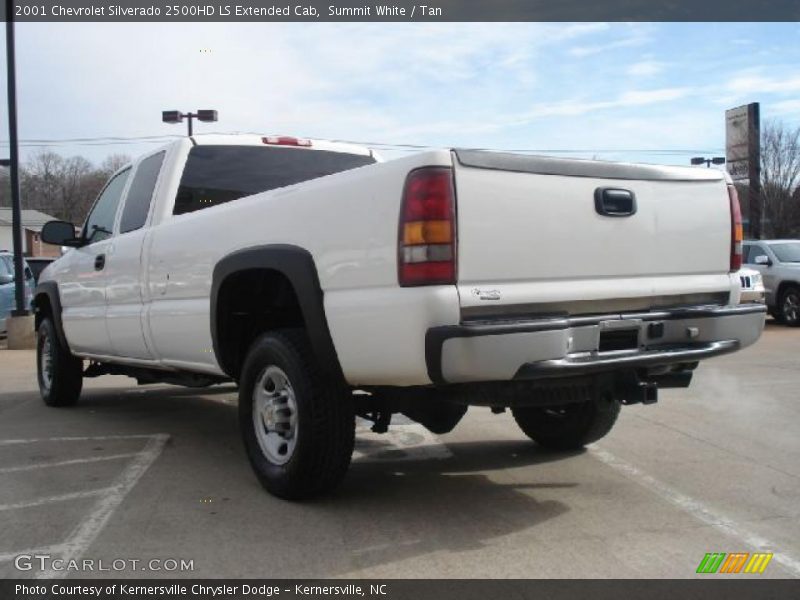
588	363
564	347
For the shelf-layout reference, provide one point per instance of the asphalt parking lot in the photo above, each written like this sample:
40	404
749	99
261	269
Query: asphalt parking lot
158	472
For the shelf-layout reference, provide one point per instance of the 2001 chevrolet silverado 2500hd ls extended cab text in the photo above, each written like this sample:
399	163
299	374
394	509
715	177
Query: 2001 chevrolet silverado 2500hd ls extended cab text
330	285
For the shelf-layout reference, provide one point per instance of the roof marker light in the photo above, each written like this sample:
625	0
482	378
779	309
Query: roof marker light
285	140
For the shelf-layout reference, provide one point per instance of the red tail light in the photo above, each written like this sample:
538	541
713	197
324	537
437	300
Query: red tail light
737	234
285	140
427	234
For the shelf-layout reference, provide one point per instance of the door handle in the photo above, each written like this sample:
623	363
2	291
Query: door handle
614	202
99	262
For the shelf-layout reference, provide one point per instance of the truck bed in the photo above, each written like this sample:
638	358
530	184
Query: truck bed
533	241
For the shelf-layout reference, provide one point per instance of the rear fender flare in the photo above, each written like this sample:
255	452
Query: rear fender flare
297	264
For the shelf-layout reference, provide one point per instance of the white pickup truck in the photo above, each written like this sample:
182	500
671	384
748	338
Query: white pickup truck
328	284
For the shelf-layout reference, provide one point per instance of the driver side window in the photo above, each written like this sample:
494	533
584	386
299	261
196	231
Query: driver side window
757	251
100	222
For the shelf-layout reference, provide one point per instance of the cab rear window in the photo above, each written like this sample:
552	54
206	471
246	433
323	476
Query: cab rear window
218	174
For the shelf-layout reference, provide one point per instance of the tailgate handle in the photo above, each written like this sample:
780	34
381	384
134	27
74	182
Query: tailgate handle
614	202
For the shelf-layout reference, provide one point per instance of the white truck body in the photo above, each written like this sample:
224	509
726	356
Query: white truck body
528	243
329	285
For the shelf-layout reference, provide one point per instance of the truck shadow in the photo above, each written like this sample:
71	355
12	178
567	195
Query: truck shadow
462	503
385	511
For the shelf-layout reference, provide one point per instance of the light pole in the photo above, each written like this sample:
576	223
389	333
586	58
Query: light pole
13	163
176	116
717	160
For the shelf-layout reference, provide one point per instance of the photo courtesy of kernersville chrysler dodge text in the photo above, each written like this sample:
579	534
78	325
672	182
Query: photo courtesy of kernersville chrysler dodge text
336	300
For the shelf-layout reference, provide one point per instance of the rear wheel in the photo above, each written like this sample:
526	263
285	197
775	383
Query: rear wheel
789	306
570	426
59	373
298	427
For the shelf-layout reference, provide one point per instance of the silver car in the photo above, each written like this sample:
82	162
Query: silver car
778	261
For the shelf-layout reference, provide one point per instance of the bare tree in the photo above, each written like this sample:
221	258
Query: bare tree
63	187
113	163
39	181
5	187
780	178
79	186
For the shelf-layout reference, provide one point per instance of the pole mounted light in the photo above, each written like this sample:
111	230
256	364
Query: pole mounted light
176	116
12	162
717	160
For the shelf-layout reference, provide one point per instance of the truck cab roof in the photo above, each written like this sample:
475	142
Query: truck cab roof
250	139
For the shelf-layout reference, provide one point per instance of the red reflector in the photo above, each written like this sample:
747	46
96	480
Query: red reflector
285	140
426	249
427	273
737	234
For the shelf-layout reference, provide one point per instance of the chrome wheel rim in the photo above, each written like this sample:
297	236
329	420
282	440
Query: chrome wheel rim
791	307
275	415
46	362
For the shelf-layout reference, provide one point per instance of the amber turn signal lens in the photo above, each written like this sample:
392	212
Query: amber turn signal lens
427	232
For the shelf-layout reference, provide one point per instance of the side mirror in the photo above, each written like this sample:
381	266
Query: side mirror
60	233
763	259
6	278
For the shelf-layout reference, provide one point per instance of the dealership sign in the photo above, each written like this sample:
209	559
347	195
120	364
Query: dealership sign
742	141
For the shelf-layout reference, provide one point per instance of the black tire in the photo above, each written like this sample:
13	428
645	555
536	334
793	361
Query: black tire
789	306
61	382
570	426
323	430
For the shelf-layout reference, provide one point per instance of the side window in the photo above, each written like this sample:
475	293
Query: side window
137	204
751	251
6	268
100	222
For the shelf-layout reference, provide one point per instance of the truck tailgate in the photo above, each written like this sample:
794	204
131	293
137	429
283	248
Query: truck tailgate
533	239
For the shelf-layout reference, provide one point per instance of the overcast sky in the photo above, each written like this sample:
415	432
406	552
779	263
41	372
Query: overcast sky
591	87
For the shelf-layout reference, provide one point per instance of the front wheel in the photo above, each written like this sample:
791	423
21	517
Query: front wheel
298	427
789	306
59	373
570	426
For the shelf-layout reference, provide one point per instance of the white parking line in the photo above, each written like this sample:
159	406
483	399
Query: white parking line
64	463
699	510
136	436
54	499
82	536
87	531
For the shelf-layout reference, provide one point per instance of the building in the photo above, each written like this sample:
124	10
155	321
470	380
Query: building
32	223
